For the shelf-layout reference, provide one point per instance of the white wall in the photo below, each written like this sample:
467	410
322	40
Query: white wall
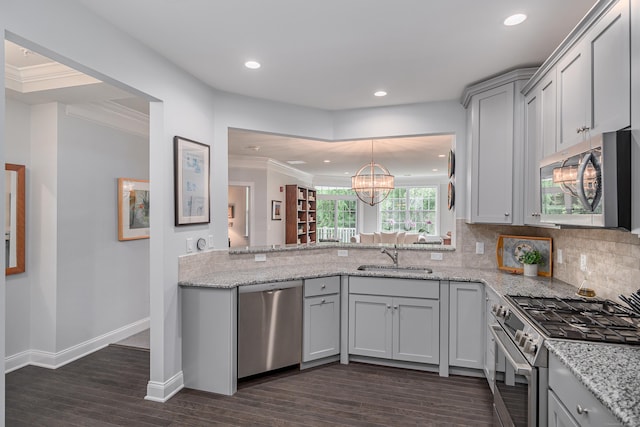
103	284
18	287
80	282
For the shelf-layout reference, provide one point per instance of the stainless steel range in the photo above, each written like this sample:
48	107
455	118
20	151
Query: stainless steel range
524	323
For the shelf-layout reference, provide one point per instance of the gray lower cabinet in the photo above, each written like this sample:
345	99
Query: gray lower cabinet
321	324
570	403
491	299
395	327
558	414
466	325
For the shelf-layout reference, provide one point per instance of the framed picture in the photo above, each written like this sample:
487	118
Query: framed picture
451	163
276	210
191	181
133	209
509	248
231	213
451	195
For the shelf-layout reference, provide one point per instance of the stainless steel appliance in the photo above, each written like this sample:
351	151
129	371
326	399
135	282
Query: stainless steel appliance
524	323
269	327
589	184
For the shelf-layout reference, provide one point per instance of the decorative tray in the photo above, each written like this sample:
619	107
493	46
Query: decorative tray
509	248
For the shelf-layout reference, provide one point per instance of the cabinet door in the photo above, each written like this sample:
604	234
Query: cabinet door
466	325
558	414
547	126
611	68
370	321
492	155
416	330
531	159
574	93
321	327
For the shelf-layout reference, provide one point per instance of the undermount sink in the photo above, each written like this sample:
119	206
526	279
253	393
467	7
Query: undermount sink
407	269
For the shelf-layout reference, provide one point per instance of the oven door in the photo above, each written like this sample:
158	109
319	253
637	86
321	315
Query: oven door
515	395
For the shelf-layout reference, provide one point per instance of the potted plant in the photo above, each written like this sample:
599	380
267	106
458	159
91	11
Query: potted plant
531	259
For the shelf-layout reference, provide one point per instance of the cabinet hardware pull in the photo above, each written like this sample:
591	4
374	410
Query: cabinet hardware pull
395	307
322	302
388	306
582	411
323	286
506	214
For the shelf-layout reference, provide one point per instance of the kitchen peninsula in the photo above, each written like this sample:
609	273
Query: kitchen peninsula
210	298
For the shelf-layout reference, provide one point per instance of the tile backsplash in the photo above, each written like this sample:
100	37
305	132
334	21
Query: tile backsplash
613	257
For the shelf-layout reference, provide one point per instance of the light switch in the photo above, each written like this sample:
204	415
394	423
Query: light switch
559	252
189	245
210	241
479	248
261	257
343	252
437	256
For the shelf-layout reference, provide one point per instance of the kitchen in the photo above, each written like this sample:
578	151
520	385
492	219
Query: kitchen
570	241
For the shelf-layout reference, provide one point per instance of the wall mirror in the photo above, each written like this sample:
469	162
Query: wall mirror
14	234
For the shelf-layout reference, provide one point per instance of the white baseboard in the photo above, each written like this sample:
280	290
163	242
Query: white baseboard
52	360
161	392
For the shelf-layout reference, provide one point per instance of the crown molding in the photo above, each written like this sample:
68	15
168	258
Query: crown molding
44	77
113	115
502	79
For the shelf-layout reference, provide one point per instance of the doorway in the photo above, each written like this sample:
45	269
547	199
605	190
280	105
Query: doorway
239	215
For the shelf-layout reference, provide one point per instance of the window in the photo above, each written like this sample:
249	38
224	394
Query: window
336	214
410	209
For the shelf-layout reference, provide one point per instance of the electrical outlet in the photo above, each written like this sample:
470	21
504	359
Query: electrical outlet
479	248
437	256
343	252
210	240
261	257
583	262
189	245
559	256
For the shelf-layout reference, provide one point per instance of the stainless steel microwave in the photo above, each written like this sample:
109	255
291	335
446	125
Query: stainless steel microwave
589	184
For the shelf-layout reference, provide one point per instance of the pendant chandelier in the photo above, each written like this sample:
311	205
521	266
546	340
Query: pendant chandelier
372	183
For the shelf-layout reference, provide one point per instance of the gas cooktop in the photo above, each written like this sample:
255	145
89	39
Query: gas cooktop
580	319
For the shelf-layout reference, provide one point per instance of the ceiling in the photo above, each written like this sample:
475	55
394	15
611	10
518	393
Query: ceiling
334	54
329	55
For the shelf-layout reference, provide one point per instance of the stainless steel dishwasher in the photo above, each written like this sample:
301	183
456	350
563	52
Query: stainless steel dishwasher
269	327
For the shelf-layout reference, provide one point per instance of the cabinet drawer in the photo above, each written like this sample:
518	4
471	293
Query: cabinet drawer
322	286
395	287
573	394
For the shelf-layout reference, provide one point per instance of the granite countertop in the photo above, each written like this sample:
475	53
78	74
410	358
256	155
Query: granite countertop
501	282
610	372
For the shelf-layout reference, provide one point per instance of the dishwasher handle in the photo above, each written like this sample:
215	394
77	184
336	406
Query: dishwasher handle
272	286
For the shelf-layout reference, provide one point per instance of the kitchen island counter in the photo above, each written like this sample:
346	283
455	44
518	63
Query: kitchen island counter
609	372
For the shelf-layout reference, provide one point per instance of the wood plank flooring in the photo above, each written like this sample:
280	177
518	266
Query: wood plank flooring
107	388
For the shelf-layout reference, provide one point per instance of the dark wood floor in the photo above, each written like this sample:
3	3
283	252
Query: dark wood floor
107	388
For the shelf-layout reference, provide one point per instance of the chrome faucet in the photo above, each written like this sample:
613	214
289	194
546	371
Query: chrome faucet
393	256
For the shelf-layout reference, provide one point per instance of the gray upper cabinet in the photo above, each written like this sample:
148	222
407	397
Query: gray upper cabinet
533	149
584	88
573	96
495	118
610	65
547	124
492	155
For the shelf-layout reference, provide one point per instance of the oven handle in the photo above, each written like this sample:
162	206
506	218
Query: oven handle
516	360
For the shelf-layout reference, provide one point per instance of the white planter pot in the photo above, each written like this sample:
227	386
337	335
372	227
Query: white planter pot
530	270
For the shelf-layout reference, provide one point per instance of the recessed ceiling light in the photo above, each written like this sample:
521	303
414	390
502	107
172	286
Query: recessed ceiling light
516	19
442	155
252	147
296	162
434	170
347	173
327	161
254	65
380	93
